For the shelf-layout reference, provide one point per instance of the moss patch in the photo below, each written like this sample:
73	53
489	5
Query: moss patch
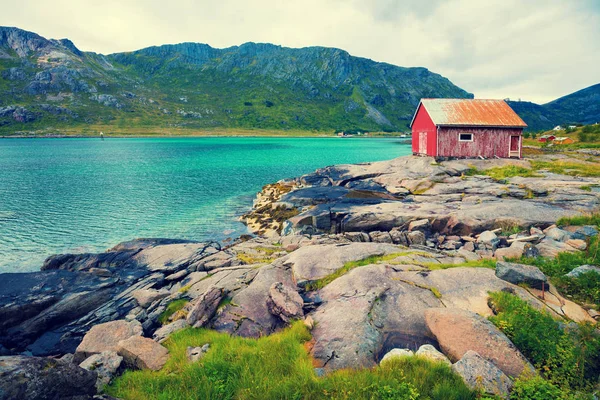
171	309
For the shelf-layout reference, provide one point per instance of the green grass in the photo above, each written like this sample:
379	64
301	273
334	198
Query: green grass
279	367
569	359
568	167
321	283
588	219
171	309
499	173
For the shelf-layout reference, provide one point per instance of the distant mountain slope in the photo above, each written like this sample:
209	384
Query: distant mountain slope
52	83
582	107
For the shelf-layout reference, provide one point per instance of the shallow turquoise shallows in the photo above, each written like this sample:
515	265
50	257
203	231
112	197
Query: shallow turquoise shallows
85	195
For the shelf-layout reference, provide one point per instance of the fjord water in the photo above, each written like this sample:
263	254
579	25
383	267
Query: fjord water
86	195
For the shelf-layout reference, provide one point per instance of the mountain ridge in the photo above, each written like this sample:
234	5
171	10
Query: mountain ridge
49	84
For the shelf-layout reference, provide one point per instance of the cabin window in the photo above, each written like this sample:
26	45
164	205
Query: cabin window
465	137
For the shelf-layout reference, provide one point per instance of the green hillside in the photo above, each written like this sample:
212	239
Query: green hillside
50	86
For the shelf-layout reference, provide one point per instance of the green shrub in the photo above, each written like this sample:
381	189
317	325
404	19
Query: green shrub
279	367
536	389
567	355
585	288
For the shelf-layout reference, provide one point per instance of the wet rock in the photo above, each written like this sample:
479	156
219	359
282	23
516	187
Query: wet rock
284	302
521	274
105	364
480	374
145	297
459	331
163	333
396	353
43	378
142	353
106	337
582	270
204	307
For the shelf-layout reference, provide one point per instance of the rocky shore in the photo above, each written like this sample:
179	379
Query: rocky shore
362	253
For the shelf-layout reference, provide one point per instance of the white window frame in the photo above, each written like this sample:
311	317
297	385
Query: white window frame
465	133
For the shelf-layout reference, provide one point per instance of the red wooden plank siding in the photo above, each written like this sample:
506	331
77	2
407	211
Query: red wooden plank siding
423	124
487	142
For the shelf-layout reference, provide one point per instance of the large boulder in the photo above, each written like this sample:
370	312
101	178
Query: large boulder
105	364
458	331
143	353
521	274
43	378
204	307
284	302
106	337
551	248
480	374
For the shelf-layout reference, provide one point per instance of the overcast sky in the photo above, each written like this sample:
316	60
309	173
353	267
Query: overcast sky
536	50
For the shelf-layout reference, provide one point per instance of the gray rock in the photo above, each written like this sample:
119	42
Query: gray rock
380	237
557	234
204	307
142	353
582	232
582	270
521	274
311	263
480	374
416	238
284	302
42	378
396	353
105	364
551	248
419	225
194	354
430	352
145	297
489	240
163	333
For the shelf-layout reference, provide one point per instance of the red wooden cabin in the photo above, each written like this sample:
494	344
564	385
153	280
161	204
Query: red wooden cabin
546	138
466	128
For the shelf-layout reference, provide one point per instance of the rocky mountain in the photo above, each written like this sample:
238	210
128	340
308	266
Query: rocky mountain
581	107
51	83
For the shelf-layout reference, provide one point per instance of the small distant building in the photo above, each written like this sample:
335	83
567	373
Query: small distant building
572	126
557	128
546	138
466	128
563	140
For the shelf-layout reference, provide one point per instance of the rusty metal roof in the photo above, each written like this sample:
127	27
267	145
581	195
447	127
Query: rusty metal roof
471	112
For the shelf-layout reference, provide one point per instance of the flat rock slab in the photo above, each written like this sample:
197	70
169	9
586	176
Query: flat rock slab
143	353
311	263
106	337
459	331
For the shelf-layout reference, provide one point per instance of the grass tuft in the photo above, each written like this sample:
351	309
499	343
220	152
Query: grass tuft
171	309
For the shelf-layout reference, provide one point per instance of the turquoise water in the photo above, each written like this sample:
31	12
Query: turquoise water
86	195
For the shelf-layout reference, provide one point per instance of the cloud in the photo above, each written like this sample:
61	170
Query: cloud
536	50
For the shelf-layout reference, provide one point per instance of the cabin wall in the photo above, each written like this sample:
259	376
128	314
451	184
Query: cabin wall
487	142
424	125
